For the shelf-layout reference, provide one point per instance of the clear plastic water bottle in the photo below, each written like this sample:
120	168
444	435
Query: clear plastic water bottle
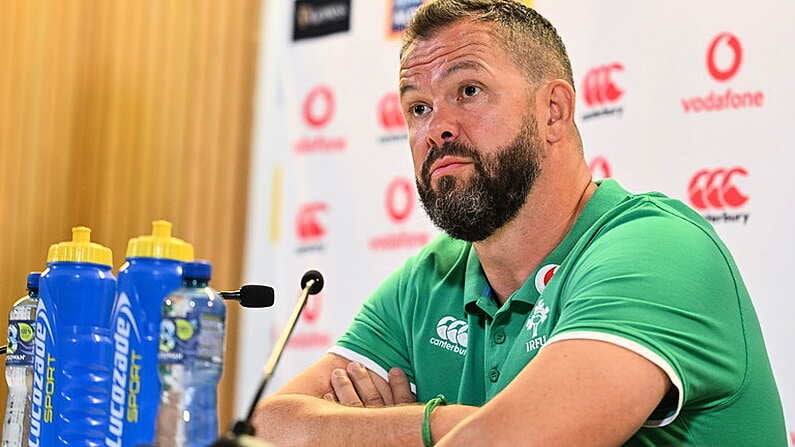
191	353
19	365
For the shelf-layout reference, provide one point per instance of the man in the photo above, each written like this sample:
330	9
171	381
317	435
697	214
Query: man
555	311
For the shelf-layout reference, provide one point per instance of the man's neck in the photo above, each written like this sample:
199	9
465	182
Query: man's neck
513	252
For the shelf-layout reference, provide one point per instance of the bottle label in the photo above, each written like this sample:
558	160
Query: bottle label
127	360
20	343
46	366
197	336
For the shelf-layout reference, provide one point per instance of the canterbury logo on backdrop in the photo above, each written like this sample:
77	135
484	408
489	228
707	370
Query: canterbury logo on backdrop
714	188
599	87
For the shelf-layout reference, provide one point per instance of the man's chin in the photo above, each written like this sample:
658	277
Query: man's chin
448	184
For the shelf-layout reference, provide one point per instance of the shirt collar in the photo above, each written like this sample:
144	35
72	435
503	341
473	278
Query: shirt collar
477	291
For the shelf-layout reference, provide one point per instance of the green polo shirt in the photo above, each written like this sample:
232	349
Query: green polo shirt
643	271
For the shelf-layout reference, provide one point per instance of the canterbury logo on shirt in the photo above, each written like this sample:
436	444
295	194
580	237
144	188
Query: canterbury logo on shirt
452	335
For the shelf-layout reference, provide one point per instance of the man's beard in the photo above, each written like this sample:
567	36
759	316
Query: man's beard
472	210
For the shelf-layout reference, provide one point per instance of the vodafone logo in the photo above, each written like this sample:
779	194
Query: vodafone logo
544	276
312	335
399	202
724	58
600	168
719	68
317	111
598	86
312	308
715	189
390	117
399	199
307	223
318	107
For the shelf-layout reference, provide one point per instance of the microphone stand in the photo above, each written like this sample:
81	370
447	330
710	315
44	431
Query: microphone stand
242	430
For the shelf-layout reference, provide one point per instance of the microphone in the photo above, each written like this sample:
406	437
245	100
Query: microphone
312	275
251	296
242	430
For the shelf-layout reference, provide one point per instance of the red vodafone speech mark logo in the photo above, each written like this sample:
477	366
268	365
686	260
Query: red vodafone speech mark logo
598	86
544	276
319	106
399	199
600	168
713	188
312	308
733	43
389	114
307	222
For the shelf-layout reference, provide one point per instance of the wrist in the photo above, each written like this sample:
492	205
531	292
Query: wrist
430	406
446	418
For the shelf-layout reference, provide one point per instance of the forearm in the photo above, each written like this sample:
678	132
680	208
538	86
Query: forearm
299	420
471	431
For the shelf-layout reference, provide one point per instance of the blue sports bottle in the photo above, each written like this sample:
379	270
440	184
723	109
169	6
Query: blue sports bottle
152	270
73	345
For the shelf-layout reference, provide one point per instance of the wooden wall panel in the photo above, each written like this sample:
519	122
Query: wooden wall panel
113	114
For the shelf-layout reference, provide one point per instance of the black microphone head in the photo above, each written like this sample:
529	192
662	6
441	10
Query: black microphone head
254	295
317	286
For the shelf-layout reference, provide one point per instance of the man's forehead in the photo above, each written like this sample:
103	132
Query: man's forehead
455	41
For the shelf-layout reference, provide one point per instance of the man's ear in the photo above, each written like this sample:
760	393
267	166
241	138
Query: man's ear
559	103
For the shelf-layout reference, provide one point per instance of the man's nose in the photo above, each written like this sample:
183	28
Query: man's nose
443	127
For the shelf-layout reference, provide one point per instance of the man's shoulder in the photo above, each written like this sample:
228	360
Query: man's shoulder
657	216
651	230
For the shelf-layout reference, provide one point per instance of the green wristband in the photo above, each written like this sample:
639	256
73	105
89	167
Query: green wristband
426	419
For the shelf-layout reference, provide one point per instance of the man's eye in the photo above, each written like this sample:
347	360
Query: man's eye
419	109
471	90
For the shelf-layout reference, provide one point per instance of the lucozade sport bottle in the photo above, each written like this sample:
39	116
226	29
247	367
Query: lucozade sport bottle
73	345
153	270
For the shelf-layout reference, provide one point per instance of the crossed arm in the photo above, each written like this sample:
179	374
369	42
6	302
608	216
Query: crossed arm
575	392
339	403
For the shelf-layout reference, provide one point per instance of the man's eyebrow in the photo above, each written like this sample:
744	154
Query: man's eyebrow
405	88
458	66
463	65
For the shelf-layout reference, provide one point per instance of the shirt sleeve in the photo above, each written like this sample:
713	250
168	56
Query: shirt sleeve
662	287
377	337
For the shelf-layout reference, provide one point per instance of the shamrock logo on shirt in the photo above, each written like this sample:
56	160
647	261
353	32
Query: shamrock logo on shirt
539	316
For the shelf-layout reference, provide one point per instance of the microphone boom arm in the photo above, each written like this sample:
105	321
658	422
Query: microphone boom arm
242	431
278	349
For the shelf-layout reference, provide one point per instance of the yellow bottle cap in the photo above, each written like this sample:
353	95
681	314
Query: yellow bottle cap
80	249
160	244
